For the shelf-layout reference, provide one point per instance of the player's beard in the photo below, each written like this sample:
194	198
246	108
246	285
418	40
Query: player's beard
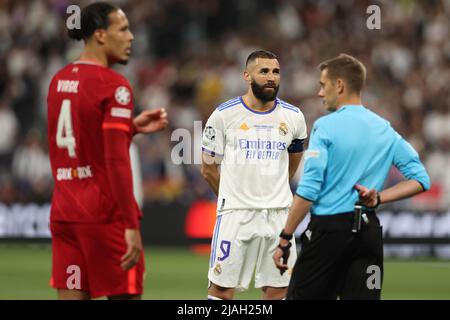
116	60
264	96
122	61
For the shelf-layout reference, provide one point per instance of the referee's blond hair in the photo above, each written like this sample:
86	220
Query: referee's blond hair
348	68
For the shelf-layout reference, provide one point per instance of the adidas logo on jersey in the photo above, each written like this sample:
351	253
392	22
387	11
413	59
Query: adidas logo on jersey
244	126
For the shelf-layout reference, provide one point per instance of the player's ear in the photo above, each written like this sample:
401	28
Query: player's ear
340	85
247	76
100	36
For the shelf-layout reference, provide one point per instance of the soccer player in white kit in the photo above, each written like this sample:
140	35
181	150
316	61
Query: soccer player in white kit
257	139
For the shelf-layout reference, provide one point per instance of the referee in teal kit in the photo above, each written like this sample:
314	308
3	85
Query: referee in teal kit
350	153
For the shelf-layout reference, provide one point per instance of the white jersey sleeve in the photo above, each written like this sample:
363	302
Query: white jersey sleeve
213	135
300	132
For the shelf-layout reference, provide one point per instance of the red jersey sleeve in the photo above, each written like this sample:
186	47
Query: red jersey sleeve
117	133
118	112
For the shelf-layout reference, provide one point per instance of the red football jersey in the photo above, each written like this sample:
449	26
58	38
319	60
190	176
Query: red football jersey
84	101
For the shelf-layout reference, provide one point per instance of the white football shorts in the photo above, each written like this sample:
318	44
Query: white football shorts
243	243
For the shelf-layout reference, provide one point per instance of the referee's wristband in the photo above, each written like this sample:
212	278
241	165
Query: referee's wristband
286	236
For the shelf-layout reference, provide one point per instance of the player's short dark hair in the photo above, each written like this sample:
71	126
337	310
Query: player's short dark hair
260	54
347	68
93	17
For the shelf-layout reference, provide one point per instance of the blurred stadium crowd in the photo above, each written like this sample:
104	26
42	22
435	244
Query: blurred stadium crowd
188	56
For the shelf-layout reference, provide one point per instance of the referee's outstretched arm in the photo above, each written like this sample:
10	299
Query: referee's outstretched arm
405	189
298	211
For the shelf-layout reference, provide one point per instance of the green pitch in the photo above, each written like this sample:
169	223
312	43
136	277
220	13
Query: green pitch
181	274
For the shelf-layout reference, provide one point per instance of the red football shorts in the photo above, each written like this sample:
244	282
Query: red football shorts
86	256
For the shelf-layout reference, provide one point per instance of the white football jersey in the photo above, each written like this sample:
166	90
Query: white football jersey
254	149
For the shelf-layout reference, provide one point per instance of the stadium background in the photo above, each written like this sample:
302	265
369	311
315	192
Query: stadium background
188	56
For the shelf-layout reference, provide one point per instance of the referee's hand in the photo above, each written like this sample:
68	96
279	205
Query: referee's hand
368	197
280	257
134	249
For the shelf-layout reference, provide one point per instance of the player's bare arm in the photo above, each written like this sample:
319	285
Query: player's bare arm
294	161
210	171
298	211
149	121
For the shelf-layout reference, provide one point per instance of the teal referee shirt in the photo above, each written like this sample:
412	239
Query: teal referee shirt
352	146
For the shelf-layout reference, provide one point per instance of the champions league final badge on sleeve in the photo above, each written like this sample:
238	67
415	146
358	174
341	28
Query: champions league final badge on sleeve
283	129
210	133
122	95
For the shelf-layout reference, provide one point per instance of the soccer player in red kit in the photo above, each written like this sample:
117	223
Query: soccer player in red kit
96	242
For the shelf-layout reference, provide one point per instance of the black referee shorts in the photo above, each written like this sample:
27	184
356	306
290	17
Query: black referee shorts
334	262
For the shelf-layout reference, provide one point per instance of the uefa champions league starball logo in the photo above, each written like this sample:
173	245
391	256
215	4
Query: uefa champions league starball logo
122	95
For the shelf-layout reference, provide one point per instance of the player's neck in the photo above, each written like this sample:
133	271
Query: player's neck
95	56
255	104
349	100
